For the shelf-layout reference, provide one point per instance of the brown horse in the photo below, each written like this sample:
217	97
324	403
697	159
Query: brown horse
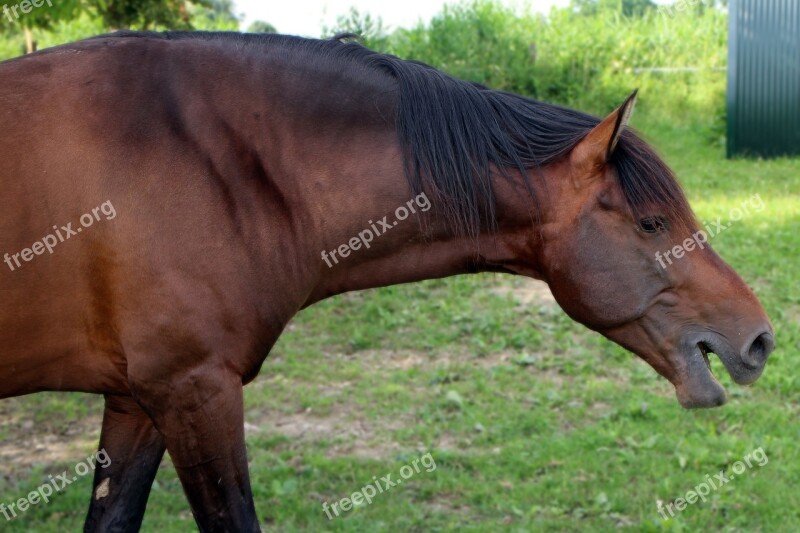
170	201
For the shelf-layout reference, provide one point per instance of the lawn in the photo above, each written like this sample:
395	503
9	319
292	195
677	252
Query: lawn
534	423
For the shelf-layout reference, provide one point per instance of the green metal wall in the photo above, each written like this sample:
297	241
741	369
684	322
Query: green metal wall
764	78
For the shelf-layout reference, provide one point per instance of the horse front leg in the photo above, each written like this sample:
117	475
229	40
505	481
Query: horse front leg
201	415
135	448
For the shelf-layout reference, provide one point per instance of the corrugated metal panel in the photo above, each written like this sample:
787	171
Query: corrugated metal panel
764	77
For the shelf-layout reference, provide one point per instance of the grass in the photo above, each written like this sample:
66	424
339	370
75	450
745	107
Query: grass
534	423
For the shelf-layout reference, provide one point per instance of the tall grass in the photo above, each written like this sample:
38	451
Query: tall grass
590	61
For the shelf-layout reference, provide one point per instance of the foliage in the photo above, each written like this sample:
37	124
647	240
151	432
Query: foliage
44	16
369	28
589	55
114	14
629	8
144	14
215	15
70	20
482	42
260	26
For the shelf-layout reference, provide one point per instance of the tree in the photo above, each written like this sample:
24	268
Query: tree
215	15
260	26
114	14
144	14
636	8
629	8
369	28
15	21
584	7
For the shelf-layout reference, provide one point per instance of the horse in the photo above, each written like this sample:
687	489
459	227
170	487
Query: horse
243	172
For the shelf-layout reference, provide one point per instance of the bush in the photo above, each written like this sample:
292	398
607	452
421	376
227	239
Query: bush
589	59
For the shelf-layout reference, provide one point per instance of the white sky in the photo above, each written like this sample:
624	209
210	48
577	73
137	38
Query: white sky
307	17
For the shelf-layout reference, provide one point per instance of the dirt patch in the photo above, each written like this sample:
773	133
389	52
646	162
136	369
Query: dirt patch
385	360
29	445
351	435
345	427
792	313
380	360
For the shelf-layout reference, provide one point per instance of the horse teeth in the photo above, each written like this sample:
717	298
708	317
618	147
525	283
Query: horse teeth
705	358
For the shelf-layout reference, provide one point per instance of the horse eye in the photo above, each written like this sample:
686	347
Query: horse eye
653	225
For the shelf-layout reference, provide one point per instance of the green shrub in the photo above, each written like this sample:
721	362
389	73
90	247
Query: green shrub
590	61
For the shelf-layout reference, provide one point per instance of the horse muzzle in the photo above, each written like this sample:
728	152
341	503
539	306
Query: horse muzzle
695	383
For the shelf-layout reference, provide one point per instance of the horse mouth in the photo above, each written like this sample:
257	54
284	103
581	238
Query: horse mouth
695	382
698	387
705	350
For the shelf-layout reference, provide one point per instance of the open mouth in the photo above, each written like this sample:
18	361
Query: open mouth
699	387
696	384
704	350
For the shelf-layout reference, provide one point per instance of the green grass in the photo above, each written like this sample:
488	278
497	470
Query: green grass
535	423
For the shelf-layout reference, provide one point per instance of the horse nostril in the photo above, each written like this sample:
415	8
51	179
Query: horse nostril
756	355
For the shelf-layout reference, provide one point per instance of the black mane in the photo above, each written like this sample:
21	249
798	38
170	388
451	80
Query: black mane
456	134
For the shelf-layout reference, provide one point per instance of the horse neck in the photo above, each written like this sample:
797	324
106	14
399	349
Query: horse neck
421	247
347	174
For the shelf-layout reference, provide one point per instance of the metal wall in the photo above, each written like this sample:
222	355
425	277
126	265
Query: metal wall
764	78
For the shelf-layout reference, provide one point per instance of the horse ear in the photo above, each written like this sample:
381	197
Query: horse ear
596	148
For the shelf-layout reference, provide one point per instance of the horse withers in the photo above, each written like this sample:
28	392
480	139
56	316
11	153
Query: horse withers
233	161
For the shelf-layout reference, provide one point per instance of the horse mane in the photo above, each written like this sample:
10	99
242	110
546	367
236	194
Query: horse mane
456	135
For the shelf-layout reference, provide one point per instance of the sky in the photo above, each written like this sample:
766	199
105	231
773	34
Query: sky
307	17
